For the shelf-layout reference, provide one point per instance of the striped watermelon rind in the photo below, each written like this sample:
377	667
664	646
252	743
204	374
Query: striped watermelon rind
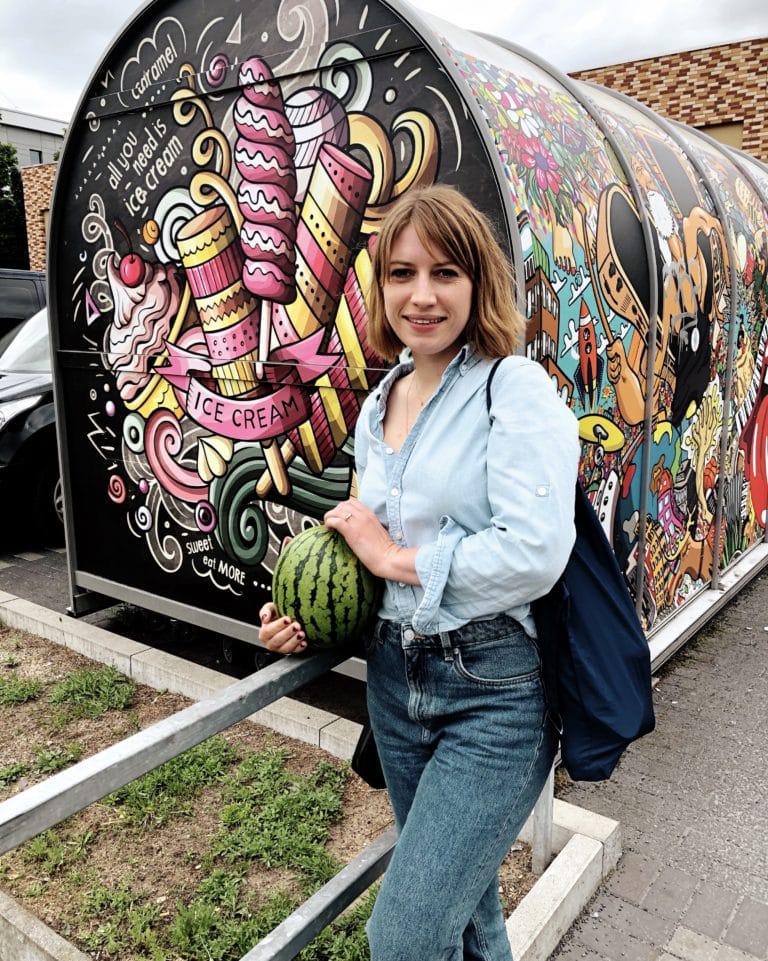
319	582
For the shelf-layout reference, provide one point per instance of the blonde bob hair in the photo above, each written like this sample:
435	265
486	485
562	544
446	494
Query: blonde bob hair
446	221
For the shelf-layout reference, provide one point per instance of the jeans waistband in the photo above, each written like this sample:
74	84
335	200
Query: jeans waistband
446	641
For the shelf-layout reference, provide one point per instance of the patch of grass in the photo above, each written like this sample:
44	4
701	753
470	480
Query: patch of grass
281	818
345	939
201	932
9	660
18	690
272	815
46	850
91	693
132	924
11	773
168	791
55	759
54	852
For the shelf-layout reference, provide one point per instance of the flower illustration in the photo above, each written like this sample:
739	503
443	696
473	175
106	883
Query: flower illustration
536	158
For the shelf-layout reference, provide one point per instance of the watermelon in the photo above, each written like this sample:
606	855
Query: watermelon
319	582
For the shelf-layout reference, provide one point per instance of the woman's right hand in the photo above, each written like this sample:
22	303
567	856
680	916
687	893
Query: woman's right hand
280	635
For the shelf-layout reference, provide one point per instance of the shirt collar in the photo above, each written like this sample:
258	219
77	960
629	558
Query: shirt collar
465	360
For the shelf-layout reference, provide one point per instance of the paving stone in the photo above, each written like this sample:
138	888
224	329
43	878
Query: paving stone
631	919
604	939
748	929
710	909
574	950
632	878
690	946
670	893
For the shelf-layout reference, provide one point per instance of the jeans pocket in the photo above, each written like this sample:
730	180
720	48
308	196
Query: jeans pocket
373	638
502	662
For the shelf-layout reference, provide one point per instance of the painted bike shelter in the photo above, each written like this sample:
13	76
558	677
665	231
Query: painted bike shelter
222	180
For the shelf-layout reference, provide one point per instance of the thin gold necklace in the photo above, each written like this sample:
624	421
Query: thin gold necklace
421	403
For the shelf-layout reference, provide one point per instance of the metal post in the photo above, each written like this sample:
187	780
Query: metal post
541	846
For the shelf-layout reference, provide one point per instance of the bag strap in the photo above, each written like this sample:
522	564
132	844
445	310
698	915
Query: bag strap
491	375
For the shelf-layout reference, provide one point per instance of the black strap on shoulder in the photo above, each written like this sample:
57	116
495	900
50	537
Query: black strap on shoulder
491	373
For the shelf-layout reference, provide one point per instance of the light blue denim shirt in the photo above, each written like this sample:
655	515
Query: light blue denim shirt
487	499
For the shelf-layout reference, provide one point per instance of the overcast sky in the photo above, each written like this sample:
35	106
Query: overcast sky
50	48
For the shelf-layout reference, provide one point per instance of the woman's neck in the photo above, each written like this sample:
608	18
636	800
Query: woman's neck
428	371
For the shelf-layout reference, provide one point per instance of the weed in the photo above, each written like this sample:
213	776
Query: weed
168	791
52	851
18	690
131	923
345	938
223	888
281	818
46	850
90	693
36	889
11	773
50	761
9	660
199	932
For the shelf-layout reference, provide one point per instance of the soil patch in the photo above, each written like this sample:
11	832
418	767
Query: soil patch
164	864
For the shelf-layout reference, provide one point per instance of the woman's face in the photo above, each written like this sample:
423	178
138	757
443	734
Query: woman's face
427	297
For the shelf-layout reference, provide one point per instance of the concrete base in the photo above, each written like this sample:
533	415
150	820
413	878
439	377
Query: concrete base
587	846
24	937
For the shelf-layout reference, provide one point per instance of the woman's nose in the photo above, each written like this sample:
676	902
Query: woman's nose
423	290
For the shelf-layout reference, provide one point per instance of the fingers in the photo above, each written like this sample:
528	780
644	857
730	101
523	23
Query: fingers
342	513
342	517
267	613
280	635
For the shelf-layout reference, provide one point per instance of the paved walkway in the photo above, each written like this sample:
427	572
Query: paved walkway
692	799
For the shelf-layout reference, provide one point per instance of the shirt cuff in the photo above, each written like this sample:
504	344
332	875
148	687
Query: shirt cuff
433	565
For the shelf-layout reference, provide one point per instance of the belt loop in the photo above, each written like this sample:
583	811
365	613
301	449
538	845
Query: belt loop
445	640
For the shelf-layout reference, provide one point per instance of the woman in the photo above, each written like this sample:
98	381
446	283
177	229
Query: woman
467	514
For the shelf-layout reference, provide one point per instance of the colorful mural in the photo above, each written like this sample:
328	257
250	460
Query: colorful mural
639	346
211	293
219	194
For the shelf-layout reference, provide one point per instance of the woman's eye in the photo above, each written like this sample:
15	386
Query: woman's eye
399	273
447	273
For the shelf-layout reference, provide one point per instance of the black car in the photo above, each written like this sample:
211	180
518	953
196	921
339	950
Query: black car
30	486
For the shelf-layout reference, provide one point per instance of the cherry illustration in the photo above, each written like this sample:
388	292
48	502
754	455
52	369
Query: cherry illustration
131	266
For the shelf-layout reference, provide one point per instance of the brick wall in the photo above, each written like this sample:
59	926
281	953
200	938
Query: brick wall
717	85
38	194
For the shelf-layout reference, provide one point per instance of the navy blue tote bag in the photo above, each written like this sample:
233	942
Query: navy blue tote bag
596	664
595	658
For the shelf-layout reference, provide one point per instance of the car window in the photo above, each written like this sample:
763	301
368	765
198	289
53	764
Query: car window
29	348
18	298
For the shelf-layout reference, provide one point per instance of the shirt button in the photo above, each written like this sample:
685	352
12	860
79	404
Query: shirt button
388	450
401	583
395	492
408	634
398	536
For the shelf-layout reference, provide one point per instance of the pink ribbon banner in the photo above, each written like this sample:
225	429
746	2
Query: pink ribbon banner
251	418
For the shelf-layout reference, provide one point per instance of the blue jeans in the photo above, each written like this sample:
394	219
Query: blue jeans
465	744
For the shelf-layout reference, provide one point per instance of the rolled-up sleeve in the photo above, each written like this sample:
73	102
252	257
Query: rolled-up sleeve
532	464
